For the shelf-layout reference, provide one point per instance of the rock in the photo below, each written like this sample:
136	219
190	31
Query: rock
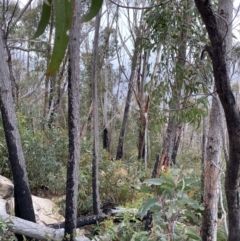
6	188
2	207
46	211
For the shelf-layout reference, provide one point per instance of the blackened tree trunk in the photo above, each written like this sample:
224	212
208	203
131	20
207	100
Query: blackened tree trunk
95	158
219	29
137	48
105	116
22	196
73	124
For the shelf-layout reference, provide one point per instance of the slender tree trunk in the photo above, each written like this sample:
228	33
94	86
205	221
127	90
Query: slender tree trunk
204	138
212	173
105	101
128	100
47	77
22	196
84	125
219	29
95	160
143	107
73	124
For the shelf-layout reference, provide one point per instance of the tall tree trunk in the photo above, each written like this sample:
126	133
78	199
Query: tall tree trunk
143	107
212	173
95	160
49	47
129	97
219	27
73	124
105	102
204	138
22	196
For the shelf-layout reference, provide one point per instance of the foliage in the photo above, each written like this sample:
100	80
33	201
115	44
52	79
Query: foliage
63	12
130	228
175	214
118	182
5	234
46	155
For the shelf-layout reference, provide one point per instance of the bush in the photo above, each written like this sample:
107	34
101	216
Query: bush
175	215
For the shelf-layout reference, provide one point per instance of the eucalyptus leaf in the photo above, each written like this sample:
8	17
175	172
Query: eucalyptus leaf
154	181
93	11
192	233
63	20
46	13
144	209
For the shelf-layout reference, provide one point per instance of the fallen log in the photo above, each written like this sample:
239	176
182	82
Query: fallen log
83	221
53	232
34	230
89	220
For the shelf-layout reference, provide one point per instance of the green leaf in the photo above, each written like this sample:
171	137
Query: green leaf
93	11
46	13
154	181
191	216
63	21
221	234
192	233
145	207
146	189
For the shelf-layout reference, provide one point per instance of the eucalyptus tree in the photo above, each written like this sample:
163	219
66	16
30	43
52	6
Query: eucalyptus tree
177	84
212	173
63	19
219	24
136	33
73	123
95	158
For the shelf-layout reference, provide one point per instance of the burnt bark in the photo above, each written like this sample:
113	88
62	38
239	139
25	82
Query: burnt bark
95	157
73	124
105	138
82	222
218	26
22	196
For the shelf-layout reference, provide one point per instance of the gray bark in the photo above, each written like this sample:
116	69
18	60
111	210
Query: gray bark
212	173
73	123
